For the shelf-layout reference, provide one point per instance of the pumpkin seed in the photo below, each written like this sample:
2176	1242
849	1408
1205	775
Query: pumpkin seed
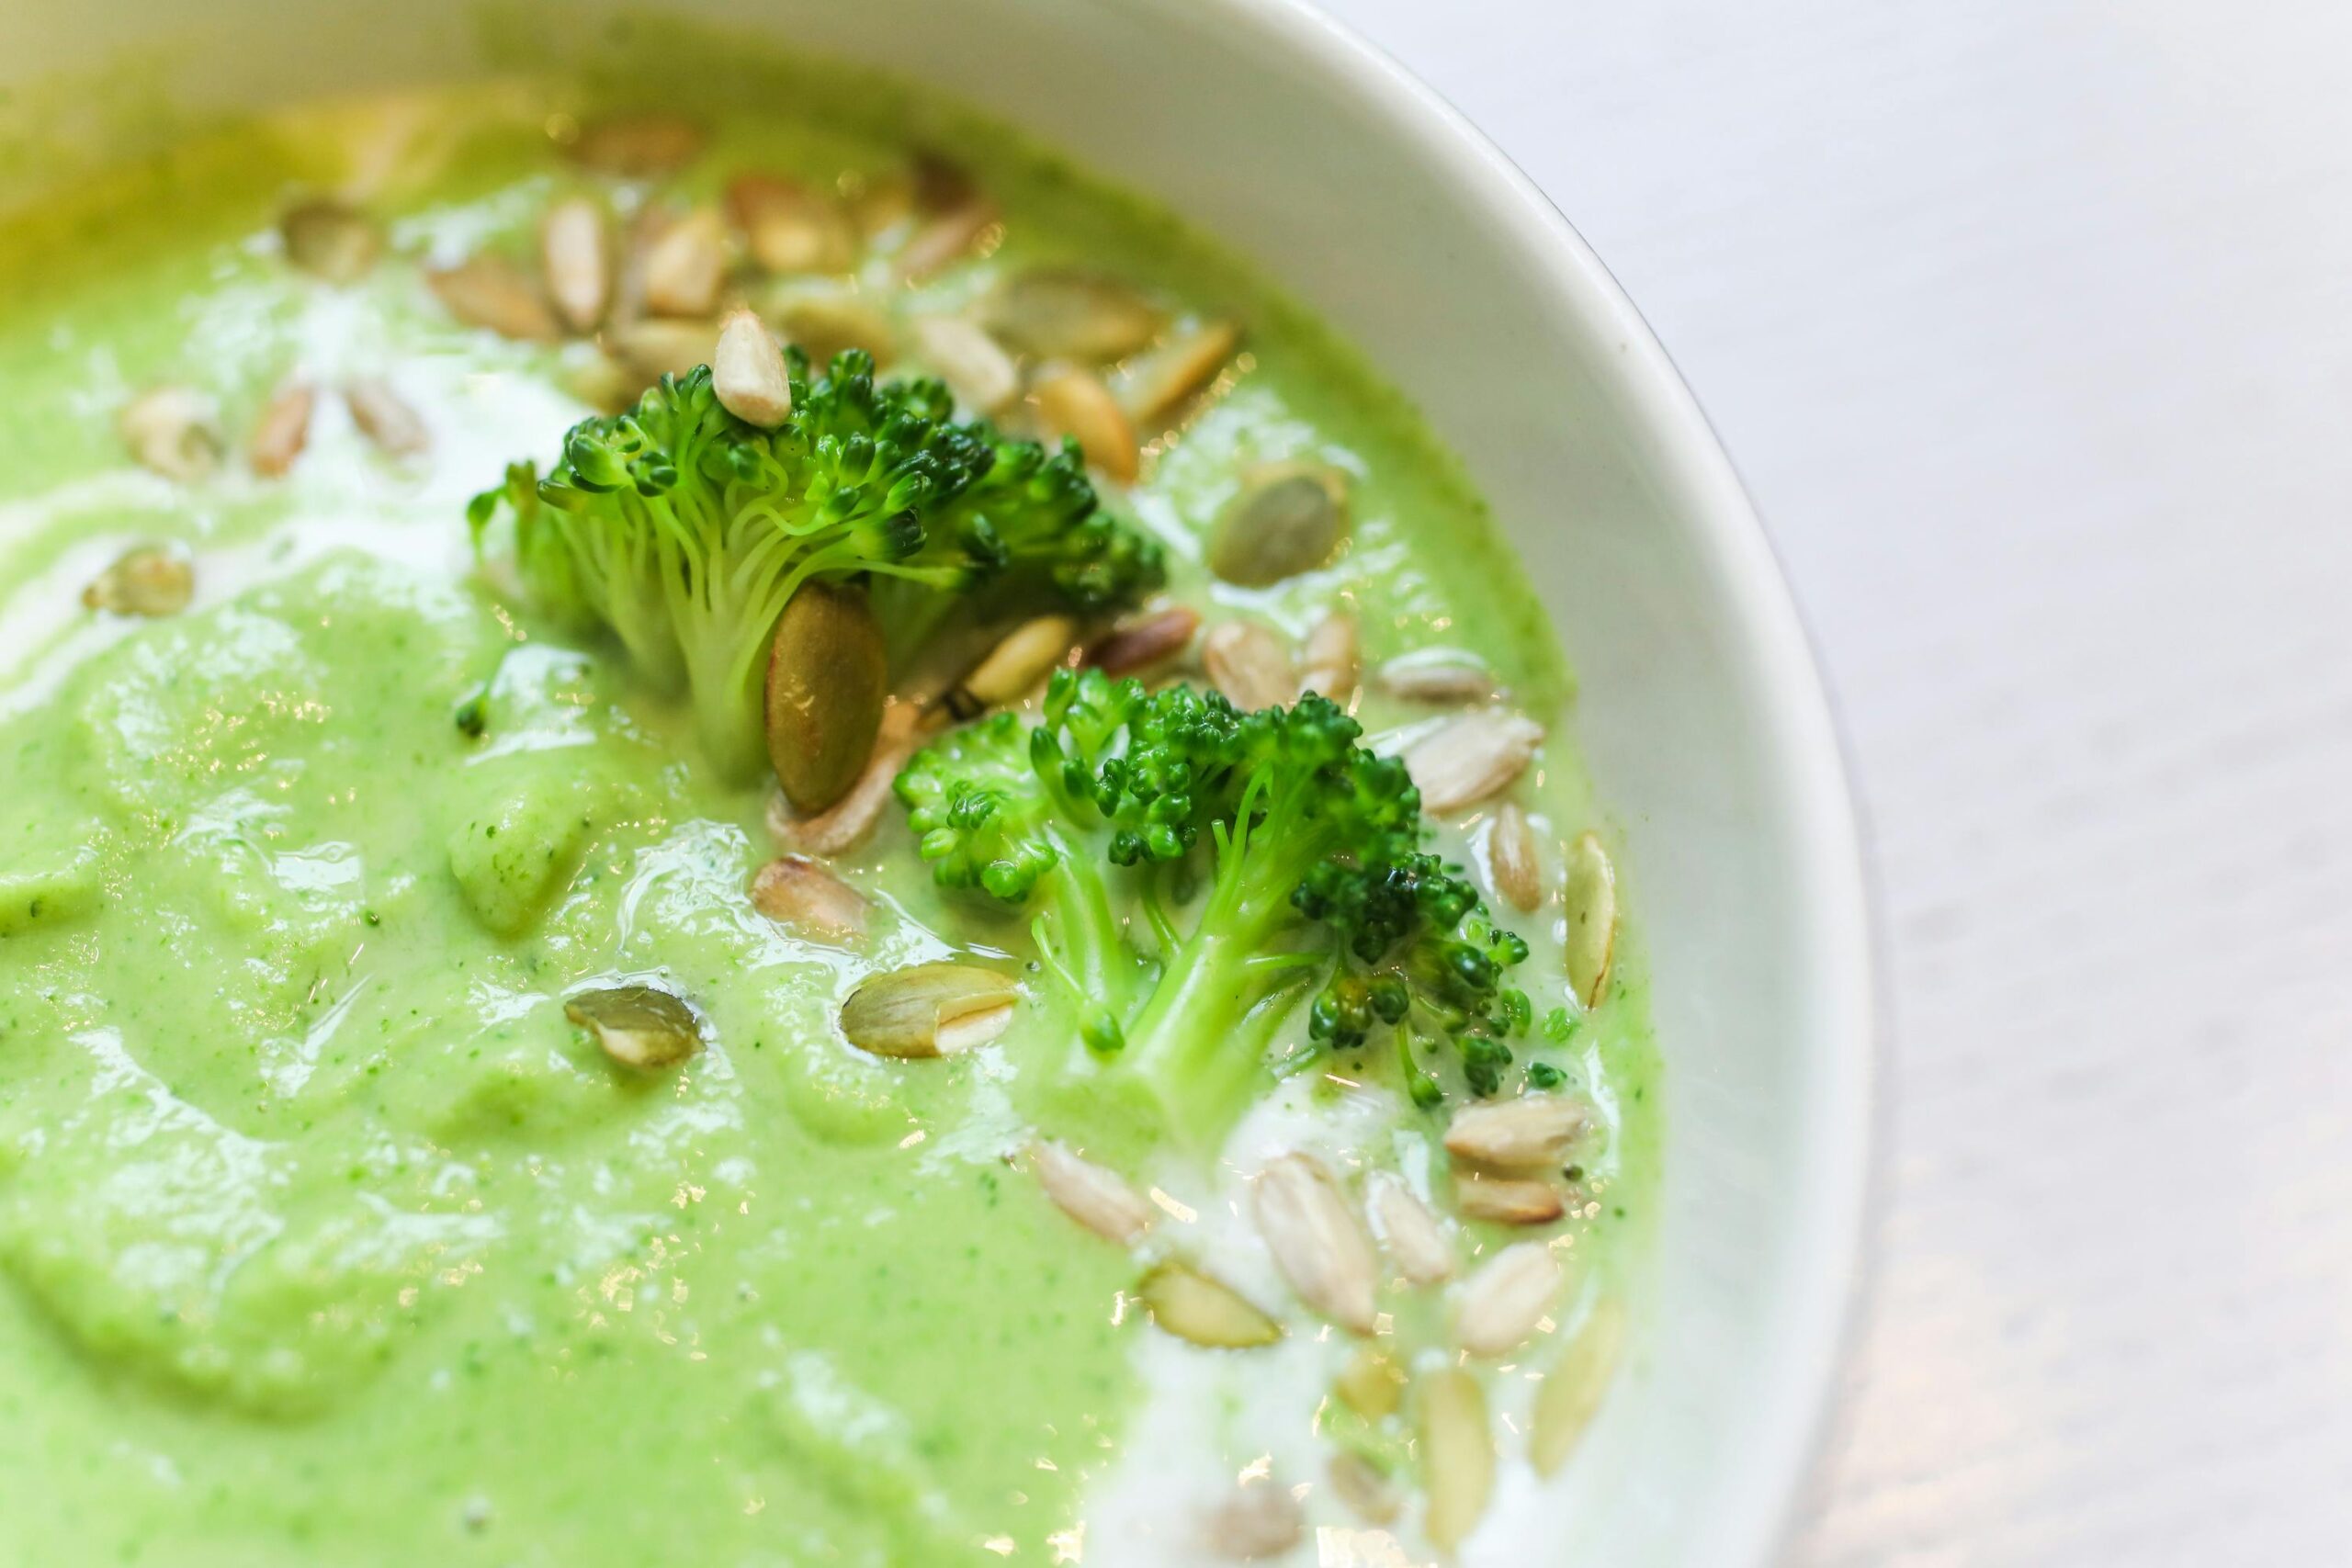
1371	1383
146	579
1332	658
1438	675
1574	1387
828	682
1014	666
651	349
1507	1199
1098	1199
948	236
638	1026
1471	757
686	265
1194	1307
1074	402
282	430
788	228
1514	860
1317	1241
1417	1243
747	372
173	430
1365	1488
1457	1454
976	369
1592	899
843	826
929	1010
1158	382
576	255
385	418
1288	518
1062	312
329	240
1251	664
638	146
1258	1522
1149	639
799	892
823	324
491	292
1505	1301
1532	1132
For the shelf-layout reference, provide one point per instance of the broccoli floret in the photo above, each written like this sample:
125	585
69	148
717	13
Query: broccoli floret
1313	872
686	531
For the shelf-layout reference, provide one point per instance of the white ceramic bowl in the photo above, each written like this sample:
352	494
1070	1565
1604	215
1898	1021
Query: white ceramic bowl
1271	126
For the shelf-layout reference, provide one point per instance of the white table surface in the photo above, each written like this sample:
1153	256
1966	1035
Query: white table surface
2031	326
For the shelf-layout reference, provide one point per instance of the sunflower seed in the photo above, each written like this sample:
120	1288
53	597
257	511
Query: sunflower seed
1416	1241
638	146
976	369
685	265
1505	1301
1316	1240
491	292
1507	1199
799	892
576	255
1014	666
1074	402
1149	639
638	1026
1438	675
1371	1383
1158	382
929	1010
1514	860
385	418
282	430
1592	899
747	372
828	684
1574	1387
821	324
1063	312
1191	1305
173	430
652	349
1288	518
329	240
1251	664
1098	1199
1332	658
1532	1132
945	237
1258	1522
1471	757
788	228
1365	1488
153	581
1457	1454
844	825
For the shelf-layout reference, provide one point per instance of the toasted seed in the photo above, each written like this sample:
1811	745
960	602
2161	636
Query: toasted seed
1317	1241
843	826
282	430
638	146
1416	1244
1251	664
1457	1454
1098	1199
936	183
146	579
685	265
1471	757
1014	666
175	431
1149	639
329	240
976	369
491	292
798	892
747	372
1508	1200
1365	1488
651	349
1512	858
1505	1301
1332	658
576	255
1188	1304
1371	1383
829	679
1532	1132
1063	312
823	324
946	236
385	418
1074	402
1438	675
788	228
637	1026
929	1010
1574	1387
1591	899
1288	518
1158	382
1258	1522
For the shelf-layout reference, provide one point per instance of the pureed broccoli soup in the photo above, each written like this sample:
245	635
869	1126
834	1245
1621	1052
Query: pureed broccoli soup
743	829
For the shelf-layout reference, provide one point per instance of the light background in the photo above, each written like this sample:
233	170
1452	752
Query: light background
2030	327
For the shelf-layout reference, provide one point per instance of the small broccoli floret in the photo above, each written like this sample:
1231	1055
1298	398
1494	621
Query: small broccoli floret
686	531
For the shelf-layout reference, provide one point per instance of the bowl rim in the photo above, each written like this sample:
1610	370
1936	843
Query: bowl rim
1756	1515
